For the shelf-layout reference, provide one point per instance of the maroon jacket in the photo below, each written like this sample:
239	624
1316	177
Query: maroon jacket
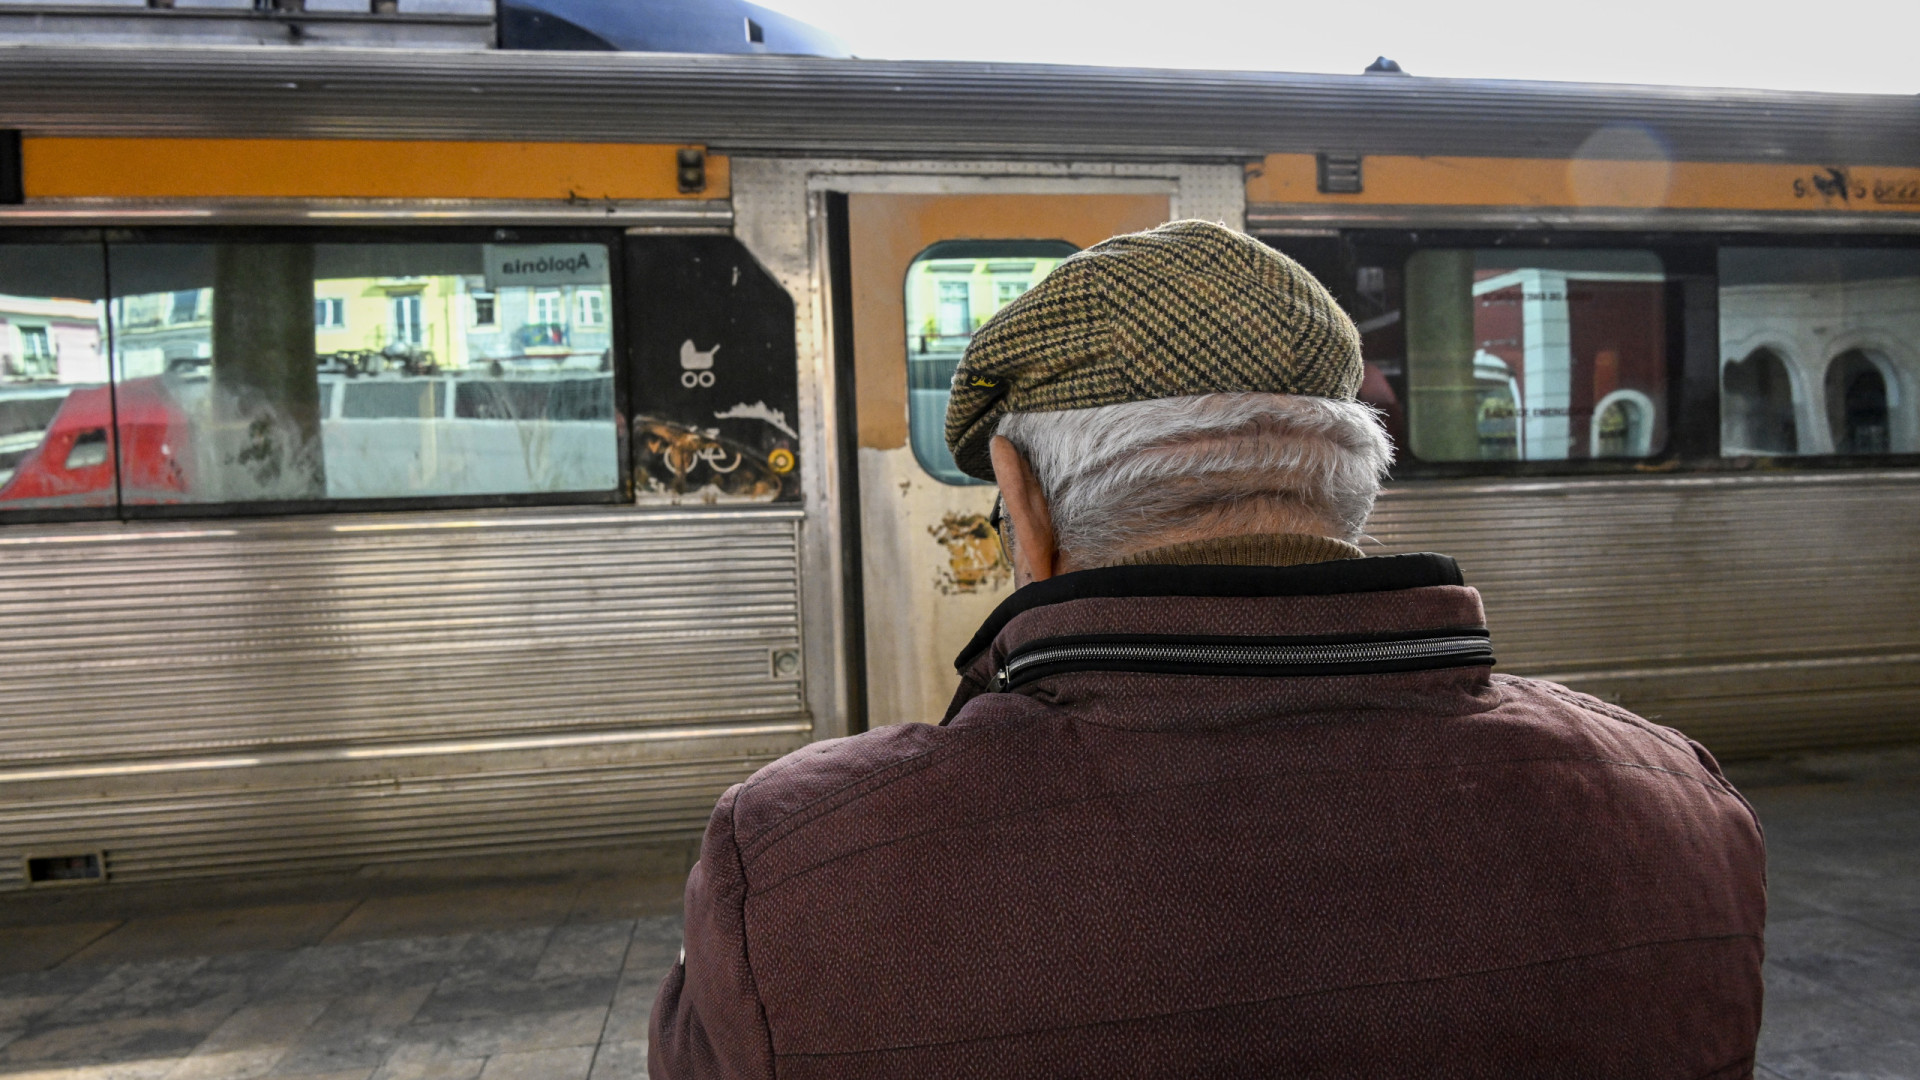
1230	821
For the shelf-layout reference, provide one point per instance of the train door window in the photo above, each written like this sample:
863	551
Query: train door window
55	404
942	283
1535	356
244	403
1819	350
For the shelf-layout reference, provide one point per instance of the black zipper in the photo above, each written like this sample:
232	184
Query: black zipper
1396	653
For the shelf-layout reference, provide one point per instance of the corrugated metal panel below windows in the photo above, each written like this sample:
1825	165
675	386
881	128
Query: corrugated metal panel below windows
244	695
1758	613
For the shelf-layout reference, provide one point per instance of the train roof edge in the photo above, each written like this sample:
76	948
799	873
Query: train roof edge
845	106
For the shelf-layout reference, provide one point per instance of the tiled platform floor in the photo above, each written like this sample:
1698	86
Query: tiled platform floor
540	980
1843	916
553	979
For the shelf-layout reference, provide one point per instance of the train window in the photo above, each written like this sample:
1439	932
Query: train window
267	371
1817	351
1535	356
952	288
54	398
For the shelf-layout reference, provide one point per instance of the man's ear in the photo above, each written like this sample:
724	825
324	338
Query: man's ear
1035	558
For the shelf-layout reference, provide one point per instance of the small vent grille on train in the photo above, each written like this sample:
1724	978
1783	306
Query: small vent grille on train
692	169
1340	174
71	869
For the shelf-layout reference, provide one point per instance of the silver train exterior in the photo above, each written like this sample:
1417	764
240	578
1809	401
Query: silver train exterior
245	694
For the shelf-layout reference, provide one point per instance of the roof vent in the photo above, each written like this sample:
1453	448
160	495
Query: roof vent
1339	174
1383	66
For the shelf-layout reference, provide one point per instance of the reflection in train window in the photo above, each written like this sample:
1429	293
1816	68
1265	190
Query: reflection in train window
1858	405
953	288
1536	356
593	307
89	448
1757	406
1819	351
330	313
406	319
251	372
54	407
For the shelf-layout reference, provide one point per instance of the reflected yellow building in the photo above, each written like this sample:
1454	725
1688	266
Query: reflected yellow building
429	314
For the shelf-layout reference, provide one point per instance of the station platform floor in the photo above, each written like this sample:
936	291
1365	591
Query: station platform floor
493	972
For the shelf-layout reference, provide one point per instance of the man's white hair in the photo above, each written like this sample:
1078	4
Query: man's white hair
1116	477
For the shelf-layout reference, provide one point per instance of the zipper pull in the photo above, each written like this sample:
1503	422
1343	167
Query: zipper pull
1000	681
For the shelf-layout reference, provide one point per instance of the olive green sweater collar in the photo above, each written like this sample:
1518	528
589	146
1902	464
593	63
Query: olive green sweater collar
1251	549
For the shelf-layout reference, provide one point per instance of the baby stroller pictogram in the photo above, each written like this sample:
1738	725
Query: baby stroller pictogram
696	366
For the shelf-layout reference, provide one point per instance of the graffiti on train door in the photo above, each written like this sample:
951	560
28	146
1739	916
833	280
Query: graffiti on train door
715	390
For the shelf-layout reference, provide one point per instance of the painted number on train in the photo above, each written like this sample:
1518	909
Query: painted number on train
1835	184
1899	192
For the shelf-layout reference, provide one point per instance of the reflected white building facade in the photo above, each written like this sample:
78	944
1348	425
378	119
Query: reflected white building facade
1820	367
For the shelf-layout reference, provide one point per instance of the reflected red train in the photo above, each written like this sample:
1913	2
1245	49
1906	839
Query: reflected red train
73	465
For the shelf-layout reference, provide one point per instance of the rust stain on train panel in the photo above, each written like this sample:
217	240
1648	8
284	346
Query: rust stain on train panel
974	559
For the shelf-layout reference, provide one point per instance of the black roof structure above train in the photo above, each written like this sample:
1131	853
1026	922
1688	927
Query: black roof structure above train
685	26
824	106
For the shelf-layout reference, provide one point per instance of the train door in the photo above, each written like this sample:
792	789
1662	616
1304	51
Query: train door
924	271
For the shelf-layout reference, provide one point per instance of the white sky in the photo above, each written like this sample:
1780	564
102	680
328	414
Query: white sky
1868	46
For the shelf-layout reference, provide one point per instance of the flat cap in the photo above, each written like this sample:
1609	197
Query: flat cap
1188	308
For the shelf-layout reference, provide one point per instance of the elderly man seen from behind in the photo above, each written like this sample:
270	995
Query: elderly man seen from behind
1218	794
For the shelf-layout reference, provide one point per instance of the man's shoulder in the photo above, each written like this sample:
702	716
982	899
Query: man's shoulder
823	777
1581	726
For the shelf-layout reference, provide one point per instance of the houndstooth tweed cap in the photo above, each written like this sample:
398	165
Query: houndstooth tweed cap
1188	308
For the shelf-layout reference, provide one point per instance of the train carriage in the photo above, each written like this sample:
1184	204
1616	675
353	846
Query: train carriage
411	455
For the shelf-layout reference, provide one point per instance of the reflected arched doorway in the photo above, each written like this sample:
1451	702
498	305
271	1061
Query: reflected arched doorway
1498	412
1623	425
1857	405
1756	406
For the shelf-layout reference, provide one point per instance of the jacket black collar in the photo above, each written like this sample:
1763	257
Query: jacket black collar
1384	573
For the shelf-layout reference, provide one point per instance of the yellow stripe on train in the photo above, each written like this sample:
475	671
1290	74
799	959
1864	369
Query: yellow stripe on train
1391	180
357	169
